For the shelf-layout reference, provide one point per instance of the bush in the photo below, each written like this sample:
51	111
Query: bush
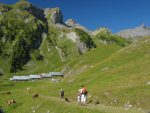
110	38
85	38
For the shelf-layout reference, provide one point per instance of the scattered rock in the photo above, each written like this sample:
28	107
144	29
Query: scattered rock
139	109
105	69
48	111
95	101
128	106
148	83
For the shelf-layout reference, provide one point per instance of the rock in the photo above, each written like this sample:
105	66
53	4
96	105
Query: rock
101	30
55	15
95	101
105	69
48	111
72	23
127	105
135	33
148	83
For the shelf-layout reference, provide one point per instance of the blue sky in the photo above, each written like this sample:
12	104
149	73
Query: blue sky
113	14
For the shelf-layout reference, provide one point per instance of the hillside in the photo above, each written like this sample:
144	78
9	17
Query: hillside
114	78
46	45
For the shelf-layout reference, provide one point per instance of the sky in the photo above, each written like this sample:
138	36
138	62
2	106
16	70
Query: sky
116	15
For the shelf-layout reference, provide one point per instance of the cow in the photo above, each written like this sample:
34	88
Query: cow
9	102
36	95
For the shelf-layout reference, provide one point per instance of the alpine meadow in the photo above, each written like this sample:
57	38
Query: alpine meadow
40	54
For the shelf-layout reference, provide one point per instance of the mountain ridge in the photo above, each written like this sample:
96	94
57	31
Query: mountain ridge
135	33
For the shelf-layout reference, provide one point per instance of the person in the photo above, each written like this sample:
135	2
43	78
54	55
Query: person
83	95
79	96
62	94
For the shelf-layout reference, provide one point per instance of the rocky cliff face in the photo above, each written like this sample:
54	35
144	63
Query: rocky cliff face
54	15
135	33
30	33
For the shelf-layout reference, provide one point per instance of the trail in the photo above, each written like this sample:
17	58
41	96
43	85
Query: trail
100	107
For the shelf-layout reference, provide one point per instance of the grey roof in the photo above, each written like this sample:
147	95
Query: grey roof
56	73
20	78
46	76
35	76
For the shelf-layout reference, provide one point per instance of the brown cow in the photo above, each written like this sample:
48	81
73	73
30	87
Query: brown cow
9	102
36	95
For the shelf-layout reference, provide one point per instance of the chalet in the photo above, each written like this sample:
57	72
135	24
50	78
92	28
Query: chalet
33	77
36	77
20	78
56	74
46	75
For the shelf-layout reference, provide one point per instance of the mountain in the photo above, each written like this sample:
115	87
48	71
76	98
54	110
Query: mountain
32	36
114	76
135	33
114	70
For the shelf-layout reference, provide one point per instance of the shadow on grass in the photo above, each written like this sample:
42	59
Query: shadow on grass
1	111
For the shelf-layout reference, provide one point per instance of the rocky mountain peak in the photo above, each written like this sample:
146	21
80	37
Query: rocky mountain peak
71	22
101	30
136	32
54	15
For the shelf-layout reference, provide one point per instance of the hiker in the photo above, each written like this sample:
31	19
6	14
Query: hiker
79	96
62	94
83	95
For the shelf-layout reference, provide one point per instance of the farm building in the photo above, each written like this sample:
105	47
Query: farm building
56	74
20	78
46	75
33	77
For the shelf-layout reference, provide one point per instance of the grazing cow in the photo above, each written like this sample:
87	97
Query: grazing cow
28	89
67	100
9	102
35	95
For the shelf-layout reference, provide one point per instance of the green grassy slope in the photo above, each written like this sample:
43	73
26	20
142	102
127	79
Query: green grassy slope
45	102
114	76
122	77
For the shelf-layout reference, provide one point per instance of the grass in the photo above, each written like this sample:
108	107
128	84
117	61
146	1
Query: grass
45	102
113	76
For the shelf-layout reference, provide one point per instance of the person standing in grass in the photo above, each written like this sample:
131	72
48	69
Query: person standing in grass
62	93
79	96
83	95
